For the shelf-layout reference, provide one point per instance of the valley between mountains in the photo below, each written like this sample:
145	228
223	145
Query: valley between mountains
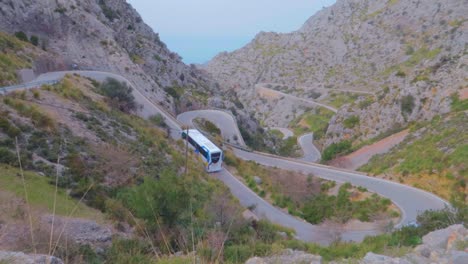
345	137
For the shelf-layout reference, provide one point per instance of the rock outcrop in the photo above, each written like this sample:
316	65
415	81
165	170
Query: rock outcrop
447	245
81	231
11	257
287	257
412	54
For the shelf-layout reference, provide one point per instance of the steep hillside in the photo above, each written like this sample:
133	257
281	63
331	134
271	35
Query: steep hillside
432	157
122	189
108	36
411	54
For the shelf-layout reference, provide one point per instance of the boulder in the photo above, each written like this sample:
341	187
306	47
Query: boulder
12	257
288	256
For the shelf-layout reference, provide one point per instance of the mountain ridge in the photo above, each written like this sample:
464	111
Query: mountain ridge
396	48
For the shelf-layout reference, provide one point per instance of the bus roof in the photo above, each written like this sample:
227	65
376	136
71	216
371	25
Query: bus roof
198	137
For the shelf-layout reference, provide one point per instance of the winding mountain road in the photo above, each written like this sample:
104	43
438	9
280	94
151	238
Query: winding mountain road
410	200
259	88
319	89
311	153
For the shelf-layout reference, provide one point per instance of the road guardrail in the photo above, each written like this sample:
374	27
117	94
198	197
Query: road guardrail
11	88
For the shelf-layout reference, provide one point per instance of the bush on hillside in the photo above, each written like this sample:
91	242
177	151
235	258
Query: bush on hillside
34	40
120	94
335	149
351	122
407	104
21	36
7	157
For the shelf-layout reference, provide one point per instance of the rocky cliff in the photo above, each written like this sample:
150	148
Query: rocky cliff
411	54
108	36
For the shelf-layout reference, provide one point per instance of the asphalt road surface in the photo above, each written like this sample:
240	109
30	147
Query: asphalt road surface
311	153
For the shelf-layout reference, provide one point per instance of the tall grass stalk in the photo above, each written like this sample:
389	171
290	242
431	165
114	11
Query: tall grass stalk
55	201
25	195
146	234
159	226
70	215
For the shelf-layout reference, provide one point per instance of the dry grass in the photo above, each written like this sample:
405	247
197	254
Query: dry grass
117	165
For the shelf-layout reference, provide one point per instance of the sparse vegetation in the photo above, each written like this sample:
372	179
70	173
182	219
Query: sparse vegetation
158	120
34	40
11	59
60	10
108	12
457	104
307	196
351	122
137	59
21	36
335	149
437	155
313	121
407	104
120	95
340	208
338	99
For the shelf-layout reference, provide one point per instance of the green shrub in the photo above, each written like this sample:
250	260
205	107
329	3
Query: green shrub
60	10
166	198
318	208
351	122
366	103
457	104
7	157
335	149
21	36
34	40
158	120
120	94
108	12
238	253
174	91
37	117
407	104
131	251
438	219
9	129
401	73
208	126
288	147
36	94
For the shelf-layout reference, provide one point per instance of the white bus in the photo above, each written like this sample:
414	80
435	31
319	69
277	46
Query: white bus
212	155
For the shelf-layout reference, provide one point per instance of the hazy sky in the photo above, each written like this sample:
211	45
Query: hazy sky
199	29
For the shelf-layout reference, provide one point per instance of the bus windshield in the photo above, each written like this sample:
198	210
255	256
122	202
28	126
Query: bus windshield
215	157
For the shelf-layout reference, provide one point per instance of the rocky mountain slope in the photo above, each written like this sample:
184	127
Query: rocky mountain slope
412	54
447	245
108	36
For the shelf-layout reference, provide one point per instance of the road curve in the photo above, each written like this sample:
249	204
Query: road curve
304	230
410	200
311	153
223	120
286	132
292	97
320	89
